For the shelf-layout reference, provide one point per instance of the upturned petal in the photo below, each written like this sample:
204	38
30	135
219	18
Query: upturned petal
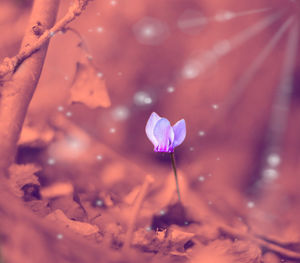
153	119
164	134
179	129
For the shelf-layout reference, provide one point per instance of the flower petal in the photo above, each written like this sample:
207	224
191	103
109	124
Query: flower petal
164	135
179	132
153	119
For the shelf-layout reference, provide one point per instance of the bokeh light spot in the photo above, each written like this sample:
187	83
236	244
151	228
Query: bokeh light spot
142	98
99	157
201	133
112	130
51	161
250	204
120	113
60	108
274	159
150	31
99	203
59	236
201	178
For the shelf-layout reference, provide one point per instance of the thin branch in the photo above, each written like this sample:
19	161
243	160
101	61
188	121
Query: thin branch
9	65
23	71
18	227
16	93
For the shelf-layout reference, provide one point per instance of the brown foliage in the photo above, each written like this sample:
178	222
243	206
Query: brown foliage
80	183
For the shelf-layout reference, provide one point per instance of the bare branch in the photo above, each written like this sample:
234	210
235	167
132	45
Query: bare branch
16	93
9	65
18	227
22	72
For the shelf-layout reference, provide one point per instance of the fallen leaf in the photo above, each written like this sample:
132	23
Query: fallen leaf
21	175
178	236
161	235
35	136
148	240
57	189
226	251
81	228
71	208
39	207
88	88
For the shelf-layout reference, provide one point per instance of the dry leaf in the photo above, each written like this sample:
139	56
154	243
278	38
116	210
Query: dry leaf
39	207
81	228
149	240
179	237
35	136
226	251
57	189
88	88
21	175
71	208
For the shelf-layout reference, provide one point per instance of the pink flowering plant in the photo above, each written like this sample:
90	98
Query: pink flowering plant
166	137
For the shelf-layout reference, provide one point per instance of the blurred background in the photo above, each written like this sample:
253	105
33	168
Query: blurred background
229	68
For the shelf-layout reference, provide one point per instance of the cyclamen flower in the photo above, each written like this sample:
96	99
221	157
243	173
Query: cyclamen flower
164	136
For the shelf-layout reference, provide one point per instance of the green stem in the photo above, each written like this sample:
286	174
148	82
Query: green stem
175	174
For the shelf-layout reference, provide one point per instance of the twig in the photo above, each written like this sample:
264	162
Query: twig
82	44
15	94
22	72
9	65
135	210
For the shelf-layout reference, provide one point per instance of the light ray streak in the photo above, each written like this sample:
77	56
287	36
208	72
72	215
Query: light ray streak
223	47
281	108
255	29
229	15
283	96
256	64
223	16
251	12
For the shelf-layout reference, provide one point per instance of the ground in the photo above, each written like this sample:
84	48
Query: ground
87	185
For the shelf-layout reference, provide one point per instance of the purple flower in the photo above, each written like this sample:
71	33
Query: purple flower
164	136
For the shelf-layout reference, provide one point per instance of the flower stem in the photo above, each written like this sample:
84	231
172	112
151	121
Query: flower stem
175	174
